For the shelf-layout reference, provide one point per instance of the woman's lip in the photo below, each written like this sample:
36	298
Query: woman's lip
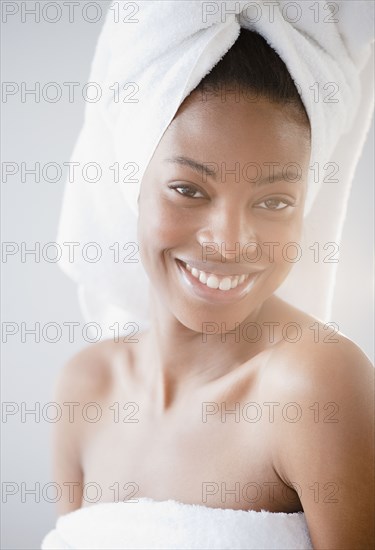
209	271
213	294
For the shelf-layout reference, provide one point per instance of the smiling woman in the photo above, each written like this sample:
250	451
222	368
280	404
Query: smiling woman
210	221
251	429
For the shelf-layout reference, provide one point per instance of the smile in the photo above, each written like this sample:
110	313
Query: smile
212	280
216	287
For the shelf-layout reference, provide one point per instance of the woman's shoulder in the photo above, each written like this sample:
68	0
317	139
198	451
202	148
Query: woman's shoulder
315	358
91	371
323	427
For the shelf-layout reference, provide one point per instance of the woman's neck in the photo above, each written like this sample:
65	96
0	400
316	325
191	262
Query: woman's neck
179	360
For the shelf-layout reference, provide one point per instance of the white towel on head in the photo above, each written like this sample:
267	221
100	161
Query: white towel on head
171	525
166	52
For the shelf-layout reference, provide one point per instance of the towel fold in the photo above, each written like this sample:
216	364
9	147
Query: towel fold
171	525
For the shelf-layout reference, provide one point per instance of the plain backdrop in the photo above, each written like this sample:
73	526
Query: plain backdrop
39	292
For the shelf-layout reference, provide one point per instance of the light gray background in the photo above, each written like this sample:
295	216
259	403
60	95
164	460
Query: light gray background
34	292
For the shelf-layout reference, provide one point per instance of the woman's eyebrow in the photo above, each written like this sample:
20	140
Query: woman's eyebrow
209	170
194	165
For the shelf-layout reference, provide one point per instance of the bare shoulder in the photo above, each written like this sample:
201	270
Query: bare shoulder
327	375
323	441
85	378
316	356
90	372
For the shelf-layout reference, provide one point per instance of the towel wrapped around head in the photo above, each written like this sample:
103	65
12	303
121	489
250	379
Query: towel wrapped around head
147	61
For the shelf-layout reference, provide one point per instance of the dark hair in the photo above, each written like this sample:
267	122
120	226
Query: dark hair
251	64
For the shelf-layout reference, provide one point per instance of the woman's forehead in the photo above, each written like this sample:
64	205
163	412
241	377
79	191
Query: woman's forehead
235	131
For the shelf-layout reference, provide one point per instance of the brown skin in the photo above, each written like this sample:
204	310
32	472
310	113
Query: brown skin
171	452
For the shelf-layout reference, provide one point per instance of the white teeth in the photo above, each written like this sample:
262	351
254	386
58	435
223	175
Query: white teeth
213	281
225	284
203	277
234	283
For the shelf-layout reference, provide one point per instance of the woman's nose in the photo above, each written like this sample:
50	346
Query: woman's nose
227	231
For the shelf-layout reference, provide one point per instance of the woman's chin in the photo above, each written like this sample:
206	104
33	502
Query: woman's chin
209	324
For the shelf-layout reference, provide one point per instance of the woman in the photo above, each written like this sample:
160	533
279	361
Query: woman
233	398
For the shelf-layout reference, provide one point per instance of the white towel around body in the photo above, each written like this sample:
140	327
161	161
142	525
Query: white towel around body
171	525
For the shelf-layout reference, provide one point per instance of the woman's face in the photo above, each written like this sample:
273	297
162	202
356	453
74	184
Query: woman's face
234	216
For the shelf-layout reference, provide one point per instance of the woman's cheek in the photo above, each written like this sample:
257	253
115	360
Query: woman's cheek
161	227
167	224
280	242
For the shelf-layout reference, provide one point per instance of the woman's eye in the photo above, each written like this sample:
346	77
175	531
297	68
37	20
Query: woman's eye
275	204
187	191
